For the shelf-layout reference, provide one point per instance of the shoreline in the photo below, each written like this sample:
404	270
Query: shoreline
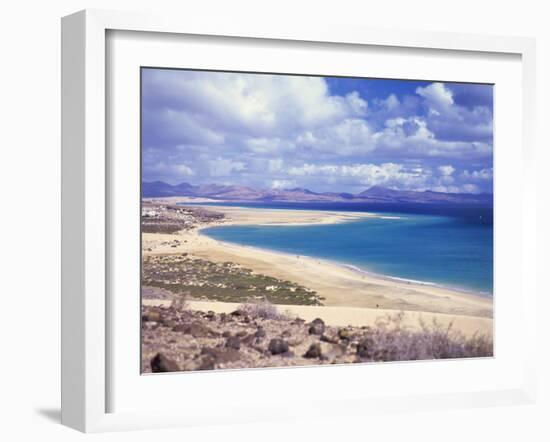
339	217
339	285
414	281
244	216
346	266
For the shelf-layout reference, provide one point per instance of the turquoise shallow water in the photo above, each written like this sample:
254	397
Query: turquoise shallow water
435	249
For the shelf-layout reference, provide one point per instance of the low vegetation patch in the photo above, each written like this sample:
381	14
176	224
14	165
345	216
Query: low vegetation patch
262	310
391	341
228	282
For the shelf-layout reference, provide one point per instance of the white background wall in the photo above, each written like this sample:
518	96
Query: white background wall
30	221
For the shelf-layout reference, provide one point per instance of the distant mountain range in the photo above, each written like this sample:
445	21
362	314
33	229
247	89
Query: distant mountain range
375	194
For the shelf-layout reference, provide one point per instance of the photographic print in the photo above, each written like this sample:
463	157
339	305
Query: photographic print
293	220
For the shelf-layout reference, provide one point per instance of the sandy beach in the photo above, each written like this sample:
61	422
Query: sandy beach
342	287
354	316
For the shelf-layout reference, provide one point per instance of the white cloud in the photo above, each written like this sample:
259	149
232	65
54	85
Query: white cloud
446	170
356	103
282	184
260	105
182	127
412	136
275	165
266	145
392	175
482	174
387	174
270	114
172	172
350	136
470	188
265	129
451	122
183	170
446	175
391	103
438	97
221	167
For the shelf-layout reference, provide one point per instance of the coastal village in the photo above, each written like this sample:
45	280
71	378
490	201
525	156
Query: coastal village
170	218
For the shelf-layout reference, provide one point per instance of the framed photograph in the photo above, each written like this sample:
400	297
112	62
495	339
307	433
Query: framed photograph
273	221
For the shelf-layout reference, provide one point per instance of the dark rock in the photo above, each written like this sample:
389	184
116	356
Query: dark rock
233	342
210	314
277	346
313	352
207	362
260	333
162	364
247	340
213	357
222	354
181	328
317	327
344	333
286	334
237	313
226	334
195	329
169	323
364	348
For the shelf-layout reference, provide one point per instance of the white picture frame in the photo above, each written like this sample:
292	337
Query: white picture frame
86	215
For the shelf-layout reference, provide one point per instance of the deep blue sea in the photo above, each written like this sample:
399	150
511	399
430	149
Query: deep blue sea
442	245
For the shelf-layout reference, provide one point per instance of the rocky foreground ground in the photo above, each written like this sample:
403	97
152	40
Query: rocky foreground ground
258	335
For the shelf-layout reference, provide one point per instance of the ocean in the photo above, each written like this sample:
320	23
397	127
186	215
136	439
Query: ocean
445	245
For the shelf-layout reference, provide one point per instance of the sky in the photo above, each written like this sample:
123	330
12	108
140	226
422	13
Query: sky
320	133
